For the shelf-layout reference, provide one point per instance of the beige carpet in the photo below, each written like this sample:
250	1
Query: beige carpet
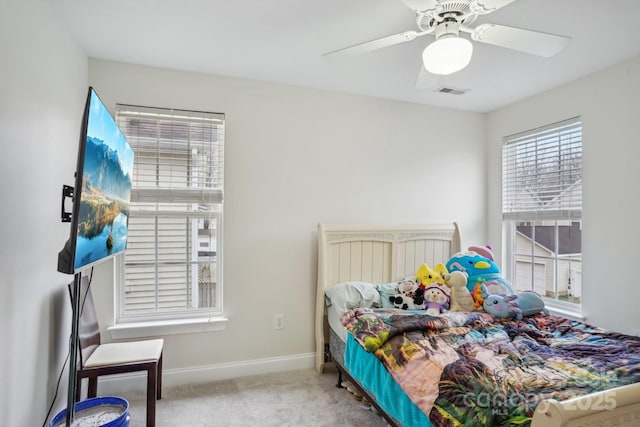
294	398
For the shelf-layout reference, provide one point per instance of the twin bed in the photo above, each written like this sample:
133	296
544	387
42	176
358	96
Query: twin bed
460	368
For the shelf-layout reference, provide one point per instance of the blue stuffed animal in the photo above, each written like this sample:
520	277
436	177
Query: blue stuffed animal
523	304
483	272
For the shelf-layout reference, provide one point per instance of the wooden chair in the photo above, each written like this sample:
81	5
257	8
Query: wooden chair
96	359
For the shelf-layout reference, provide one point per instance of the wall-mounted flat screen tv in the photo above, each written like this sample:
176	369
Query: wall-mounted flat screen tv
102	192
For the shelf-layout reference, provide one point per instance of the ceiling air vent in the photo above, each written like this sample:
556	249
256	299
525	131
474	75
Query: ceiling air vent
451	90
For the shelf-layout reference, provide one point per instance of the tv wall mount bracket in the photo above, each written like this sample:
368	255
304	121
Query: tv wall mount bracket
67	192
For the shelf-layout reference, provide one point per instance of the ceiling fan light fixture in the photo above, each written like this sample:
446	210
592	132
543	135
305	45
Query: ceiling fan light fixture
447	55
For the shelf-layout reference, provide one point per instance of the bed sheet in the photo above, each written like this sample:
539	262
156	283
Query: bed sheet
366	369
462	368
372	375
335	324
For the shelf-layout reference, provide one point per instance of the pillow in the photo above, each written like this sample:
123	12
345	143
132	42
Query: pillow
390	289
386	290
347	295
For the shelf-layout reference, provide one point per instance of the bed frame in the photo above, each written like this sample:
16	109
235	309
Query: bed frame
381	254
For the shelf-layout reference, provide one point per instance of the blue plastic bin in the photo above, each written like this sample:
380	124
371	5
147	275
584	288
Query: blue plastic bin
121	421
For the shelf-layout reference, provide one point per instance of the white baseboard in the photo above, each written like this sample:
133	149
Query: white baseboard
112	384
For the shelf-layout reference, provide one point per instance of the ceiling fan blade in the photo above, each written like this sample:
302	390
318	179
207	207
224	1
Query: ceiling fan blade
482	7
534	42
420	5
376	44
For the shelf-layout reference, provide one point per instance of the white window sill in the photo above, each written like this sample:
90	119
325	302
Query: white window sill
167	327
564	309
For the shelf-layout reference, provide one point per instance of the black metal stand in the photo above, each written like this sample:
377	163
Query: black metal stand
73	349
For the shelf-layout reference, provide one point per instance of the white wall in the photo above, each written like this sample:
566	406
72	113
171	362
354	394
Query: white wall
609	103
43	82
296	157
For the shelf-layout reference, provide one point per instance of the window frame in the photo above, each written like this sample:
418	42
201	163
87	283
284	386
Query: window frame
515	211
188	319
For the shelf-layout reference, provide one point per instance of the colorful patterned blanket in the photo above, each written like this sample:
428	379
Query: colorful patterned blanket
472	369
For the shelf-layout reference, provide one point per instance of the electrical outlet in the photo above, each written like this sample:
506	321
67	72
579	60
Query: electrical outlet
279	321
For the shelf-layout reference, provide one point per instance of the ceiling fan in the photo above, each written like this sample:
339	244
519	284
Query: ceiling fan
446	19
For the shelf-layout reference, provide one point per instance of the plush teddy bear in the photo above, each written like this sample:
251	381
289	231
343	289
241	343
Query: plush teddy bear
461	299
409	295
427	275
483	273
436	298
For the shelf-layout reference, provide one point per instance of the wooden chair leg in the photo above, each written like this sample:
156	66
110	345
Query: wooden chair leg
92	389
152	380
159	369
78	388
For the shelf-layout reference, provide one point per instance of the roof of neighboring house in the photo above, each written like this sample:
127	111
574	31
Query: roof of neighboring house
569	238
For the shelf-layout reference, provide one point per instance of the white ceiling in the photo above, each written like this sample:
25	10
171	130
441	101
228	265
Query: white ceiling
282	41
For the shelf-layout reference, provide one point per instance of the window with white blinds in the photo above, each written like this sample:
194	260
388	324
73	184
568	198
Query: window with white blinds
542	209
542	171
172	267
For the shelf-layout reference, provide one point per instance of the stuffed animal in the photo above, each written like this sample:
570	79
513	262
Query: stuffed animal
461	299
523	304
479	293
409	295
436	298
478	263
427	275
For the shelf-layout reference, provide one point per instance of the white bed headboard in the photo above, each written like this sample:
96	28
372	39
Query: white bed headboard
375	254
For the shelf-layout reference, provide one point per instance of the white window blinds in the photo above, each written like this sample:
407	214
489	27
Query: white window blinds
172	262
542	172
